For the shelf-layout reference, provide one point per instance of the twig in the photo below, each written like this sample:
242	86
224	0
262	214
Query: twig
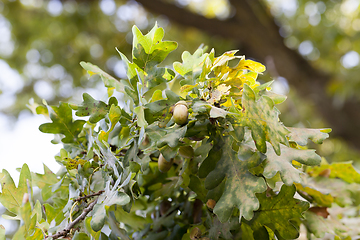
71	225
89	196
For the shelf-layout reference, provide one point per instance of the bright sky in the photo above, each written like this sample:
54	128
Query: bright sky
21	143
24	143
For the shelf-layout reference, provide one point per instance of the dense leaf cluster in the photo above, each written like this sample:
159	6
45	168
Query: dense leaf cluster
233	167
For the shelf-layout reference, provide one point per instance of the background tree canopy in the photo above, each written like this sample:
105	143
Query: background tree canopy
310	45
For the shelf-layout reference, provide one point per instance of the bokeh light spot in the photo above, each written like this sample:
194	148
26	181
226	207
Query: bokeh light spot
306	47
350	59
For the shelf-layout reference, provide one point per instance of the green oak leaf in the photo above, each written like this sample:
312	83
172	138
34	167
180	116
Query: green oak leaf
216	112
343	170
136	222
51	212
11	197
141	121
263	120
319	198
62	123
109	81
28	219
240	185
45	182
277	98
95	235
163	136
110	197
218	229
80	236
98	219
283	163
301	135
37	235
276	212
197	185
246	231
54	212
159	109
210	161
93	108
114	117
319	226
192	64
148	51
158	106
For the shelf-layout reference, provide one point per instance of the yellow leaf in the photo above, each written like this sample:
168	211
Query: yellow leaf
157	95
223	59
187	88
251	65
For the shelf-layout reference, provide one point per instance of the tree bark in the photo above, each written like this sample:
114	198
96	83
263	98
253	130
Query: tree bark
255	29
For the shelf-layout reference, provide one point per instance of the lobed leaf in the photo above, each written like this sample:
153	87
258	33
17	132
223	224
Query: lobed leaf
45	182
301	135
62	123
114	117
93	108
319	198
148	51
343	170
110	197
284	163
276	213
218	229
11	197
191	65
240	184
263	120
319	226
163	136
109	81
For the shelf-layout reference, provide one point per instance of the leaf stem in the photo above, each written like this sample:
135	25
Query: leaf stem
71	210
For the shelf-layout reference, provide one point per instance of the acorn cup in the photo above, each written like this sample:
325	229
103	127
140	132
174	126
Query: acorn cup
195	233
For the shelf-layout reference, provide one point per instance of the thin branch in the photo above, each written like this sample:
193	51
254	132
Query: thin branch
89	196
71	225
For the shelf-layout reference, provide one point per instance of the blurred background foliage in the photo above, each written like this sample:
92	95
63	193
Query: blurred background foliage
42	43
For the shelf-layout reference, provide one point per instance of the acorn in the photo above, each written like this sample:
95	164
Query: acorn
164	165
145	142
181	113
165	205
195	233
211	203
